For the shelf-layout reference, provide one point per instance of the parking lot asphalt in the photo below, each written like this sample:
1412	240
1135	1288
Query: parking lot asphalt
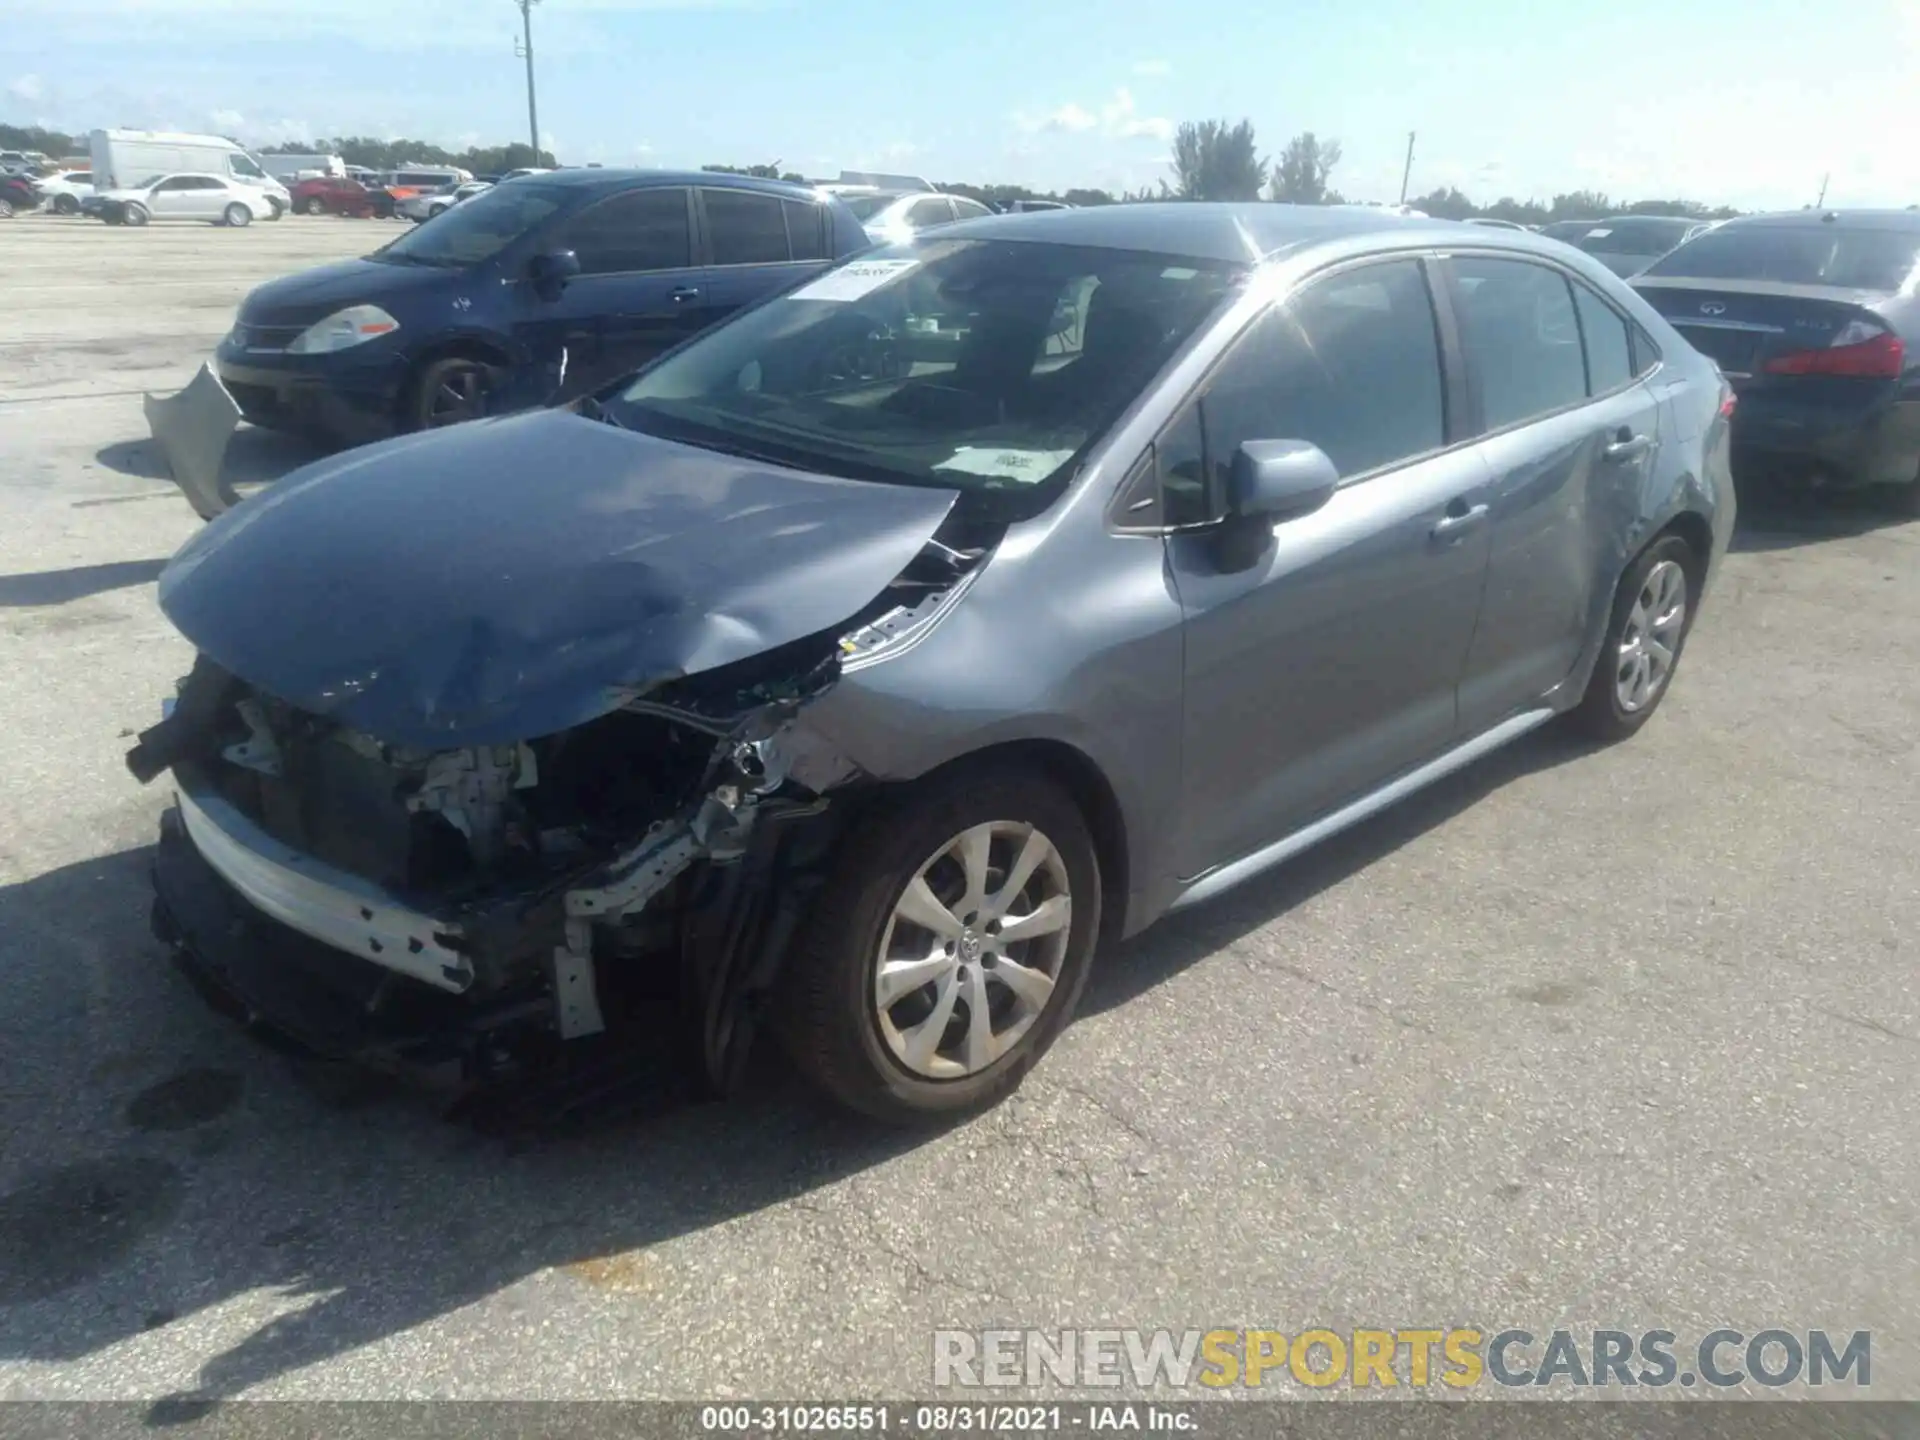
1624	1039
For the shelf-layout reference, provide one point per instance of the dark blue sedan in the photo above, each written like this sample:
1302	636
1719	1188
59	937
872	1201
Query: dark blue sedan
541	289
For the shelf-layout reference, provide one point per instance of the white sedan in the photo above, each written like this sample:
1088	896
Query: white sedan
217	199
66	190
429	203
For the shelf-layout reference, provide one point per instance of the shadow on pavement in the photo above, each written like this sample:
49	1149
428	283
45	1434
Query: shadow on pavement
59	587
254	456
1777	516
247	1177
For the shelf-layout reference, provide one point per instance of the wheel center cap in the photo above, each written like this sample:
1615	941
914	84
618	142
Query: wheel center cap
969	946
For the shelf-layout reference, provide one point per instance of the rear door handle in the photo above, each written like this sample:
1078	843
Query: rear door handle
1458	521
680	294
1626	447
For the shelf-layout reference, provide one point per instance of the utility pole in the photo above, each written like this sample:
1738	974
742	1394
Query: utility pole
525	48
1407	174
1821	202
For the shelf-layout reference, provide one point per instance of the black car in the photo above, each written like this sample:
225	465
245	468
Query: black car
1814	318
542	290
1627	244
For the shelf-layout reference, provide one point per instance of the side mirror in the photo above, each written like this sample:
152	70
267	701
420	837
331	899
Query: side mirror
1267	481
1279	479
550	271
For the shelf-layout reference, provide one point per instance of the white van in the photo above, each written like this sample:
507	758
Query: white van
122	159
289	168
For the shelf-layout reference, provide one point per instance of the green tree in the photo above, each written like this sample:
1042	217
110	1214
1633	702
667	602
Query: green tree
1216	161
1300	174
763	172
1446	203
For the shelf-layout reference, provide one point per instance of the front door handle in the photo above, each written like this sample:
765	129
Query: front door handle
681	294
1458	520
1626	446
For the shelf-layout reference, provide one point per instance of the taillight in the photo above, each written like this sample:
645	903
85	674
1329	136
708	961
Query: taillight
1727	401
1880	356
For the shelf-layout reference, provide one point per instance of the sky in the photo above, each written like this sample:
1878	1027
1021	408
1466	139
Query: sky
1741	102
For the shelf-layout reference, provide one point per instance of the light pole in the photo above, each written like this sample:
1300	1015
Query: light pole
1405	175
525	48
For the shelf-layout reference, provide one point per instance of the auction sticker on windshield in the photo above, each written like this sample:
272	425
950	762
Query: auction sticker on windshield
851	282
1027	466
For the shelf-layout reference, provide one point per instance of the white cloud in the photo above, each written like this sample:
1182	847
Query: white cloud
27	87
1124	123
641	149
1118	119
224	120
1152	68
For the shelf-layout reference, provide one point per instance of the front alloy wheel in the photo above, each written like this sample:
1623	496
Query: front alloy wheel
450	391
972	952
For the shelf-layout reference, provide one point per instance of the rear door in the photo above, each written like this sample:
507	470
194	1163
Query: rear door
1571	438
637	294
756	243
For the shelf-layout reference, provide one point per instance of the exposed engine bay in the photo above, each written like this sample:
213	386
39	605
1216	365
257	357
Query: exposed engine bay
545	889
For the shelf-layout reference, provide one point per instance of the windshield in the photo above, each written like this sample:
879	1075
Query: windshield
478	229
243	165
973	364
865	207
1799	255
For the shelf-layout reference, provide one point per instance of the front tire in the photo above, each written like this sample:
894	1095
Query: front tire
448	392
237	215
948	947
1653	612
134	215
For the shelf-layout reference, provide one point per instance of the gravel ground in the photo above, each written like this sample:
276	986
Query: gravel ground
1624	1039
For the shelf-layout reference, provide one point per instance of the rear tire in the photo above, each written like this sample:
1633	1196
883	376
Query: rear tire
1631	678
6	208
237	215
313	205
876	1056
65	205
134	215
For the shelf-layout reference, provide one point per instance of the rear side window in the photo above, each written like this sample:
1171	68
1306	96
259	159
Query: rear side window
1609	349
1800	254
745	229
929	212
806	230
636	230
1520	335
968	209
1352	364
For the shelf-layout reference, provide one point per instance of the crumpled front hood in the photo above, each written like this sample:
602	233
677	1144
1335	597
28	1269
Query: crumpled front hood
510	578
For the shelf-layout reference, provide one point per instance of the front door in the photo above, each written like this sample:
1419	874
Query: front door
1571	440
638	292
1332	663
177	198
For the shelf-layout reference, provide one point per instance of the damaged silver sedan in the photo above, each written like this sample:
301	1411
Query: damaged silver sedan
858	668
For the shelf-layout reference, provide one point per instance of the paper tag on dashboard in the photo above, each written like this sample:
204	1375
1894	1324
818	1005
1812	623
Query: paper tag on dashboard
1029	467
851	282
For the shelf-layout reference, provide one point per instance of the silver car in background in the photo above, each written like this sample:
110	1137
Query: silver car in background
861	668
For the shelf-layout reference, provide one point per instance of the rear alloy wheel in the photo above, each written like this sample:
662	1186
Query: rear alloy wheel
948	949
436	210
6	208
450	391
134	215
65	205
237	215
1652	612
313	205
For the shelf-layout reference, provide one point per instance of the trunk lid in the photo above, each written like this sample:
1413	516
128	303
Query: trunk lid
1742	324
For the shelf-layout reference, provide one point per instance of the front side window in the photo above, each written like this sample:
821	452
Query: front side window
1604	333
1519	333
243	165
1351	364
477	229
744	228
638	230
934	363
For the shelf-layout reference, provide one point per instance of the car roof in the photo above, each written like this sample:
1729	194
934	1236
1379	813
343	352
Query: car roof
1812	219
1225	232
585	178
